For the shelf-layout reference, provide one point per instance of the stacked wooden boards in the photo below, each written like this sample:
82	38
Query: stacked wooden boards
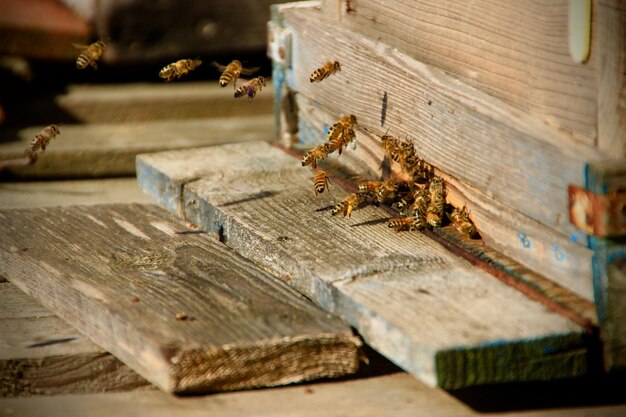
179	308
480	108
430	312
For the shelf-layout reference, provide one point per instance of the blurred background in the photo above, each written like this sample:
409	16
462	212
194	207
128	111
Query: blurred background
37	55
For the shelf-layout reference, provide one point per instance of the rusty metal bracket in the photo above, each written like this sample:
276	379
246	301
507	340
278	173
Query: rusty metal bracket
601	215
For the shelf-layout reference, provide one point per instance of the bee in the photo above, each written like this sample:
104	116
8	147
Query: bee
90	54
434	212
341	133
462	222
179	68
421	200
391	146
350	203
391	190
405	223
232	71
320	181
370	187
41	141
317	153
251	88
325	71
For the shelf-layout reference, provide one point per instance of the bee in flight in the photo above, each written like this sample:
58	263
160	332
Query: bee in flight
41	141
179	68
89	54
341	133
325	71
319	152
251	88
462	222
232	71
350	203
320	181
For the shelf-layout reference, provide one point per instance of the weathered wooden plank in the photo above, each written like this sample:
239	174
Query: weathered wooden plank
411	299
181	309
109	149
525	240
488	144
123	103
390	395
517	52
41	354
610	42
70	192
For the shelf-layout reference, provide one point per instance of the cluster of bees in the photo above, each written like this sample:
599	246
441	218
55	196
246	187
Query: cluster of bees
90	54
418	195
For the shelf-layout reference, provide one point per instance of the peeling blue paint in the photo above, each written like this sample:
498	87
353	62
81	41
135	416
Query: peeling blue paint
524	240
558	253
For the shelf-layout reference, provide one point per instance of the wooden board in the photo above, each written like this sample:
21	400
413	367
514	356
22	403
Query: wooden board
42	354
508	231
517	52
96	150
181	309
481	140
391	395
430	312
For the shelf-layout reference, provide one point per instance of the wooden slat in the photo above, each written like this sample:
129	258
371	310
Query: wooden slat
41	354
121	274
391	395
483	141
110	149
517	52
430	312
508	231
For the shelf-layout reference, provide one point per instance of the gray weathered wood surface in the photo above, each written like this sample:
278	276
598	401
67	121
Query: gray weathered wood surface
397	395
430	312
523	239
492	146
42	354
94	150
122	274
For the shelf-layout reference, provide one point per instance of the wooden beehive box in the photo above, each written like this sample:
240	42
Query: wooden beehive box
530	138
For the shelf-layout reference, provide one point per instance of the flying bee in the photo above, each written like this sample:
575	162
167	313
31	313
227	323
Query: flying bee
319	152
343	128
350	203
179	68
232	71
462	222
41	141
251	88
434	212
90	54
320	181
405	223
325	71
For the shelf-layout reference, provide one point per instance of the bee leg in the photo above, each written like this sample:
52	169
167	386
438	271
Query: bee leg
94	65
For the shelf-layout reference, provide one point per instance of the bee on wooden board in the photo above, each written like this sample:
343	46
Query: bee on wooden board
41	141
391	190
462	222
232	71
391	146
251	88
179	68
90	54
320	181
325	71
370	187
319	152
434	212
405	223
349	204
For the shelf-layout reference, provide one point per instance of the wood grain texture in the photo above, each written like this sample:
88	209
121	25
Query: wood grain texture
409	297
41	354
391	395
132	274
610	56
517	52
525	240
481	140
97	150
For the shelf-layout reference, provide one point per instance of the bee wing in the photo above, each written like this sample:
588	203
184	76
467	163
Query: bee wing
219	67
241	82
249	71
80	46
